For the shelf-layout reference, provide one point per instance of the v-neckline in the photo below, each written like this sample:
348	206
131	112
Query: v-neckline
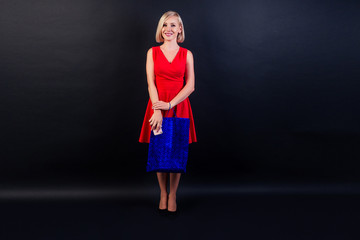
174	57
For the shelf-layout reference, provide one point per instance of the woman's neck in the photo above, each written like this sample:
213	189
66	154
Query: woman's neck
170	45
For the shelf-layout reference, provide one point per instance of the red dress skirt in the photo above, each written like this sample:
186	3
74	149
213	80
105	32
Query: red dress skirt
169	80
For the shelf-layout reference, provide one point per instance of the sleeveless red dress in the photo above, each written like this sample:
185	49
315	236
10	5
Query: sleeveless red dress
169	80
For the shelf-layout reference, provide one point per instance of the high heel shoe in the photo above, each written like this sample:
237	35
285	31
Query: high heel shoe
173	213
162	211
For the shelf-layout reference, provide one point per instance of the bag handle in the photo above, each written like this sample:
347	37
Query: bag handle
170	110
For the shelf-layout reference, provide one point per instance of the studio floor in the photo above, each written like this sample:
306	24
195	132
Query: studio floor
215	214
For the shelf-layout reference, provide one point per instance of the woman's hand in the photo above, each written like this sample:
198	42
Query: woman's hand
156	120
161	105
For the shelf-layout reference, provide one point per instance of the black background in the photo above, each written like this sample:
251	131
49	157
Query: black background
276	90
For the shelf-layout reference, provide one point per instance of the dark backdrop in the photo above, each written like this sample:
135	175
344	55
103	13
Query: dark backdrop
276	89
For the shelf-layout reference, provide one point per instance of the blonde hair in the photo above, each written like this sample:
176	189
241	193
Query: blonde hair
164	17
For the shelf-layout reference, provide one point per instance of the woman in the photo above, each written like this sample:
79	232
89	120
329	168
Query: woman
166	67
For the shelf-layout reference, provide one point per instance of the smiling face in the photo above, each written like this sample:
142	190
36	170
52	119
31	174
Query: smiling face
171	28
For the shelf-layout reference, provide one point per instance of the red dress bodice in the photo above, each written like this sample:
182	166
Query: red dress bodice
169	80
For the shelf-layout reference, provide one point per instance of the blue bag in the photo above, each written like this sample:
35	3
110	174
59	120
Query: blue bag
168	152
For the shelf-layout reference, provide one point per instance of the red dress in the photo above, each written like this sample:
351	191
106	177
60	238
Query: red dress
169	80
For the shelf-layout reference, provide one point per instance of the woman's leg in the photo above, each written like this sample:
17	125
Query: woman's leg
174	183
162	178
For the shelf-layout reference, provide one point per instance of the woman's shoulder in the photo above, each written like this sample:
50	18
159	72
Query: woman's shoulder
154	47
187	51
151	48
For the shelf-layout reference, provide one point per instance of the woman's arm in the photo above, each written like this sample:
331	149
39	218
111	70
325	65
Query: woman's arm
186	90
156	119
151	78
189	79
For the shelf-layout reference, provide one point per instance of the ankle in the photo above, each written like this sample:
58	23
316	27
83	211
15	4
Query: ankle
172	195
